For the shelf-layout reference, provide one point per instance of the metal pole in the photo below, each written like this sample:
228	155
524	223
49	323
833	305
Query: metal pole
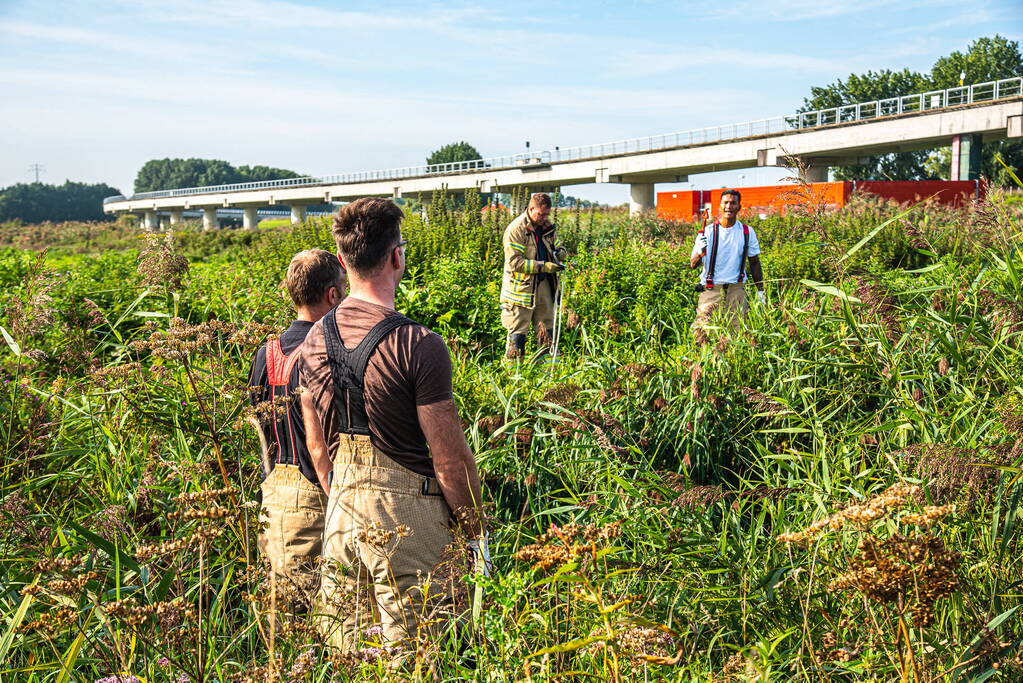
558	315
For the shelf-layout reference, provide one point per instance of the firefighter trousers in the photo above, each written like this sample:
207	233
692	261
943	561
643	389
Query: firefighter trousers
383	539
291	536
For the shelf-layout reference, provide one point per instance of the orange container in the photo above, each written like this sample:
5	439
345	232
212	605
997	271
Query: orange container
685	205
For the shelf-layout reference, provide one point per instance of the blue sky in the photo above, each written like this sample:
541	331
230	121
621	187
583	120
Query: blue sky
92	90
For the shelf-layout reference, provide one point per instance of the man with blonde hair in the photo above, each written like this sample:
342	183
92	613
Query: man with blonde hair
378	403
532	260
294	497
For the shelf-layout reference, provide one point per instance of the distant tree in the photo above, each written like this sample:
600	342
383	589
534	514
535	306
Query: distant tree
986	59
39	202
865	88
254	174
456	151
171	174
568	201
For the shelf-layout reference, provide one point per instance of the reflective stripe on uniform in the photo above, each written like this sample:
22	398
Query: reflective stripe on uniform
520	299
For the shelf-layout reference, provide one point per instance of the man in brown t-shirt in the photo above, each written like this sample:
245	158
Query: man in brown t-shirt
377	400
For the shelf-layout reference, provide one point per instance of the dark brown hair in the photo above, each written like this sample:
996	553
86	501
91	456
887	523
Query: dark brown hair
365	231
738	195
310	274
540	199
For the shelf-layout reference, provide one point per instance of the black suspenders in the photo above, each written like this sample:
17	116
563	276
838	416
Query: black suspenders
714	256
713	259
348	369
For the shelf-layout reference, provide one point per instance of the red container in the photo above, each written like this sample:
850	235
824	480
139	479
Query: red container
685	205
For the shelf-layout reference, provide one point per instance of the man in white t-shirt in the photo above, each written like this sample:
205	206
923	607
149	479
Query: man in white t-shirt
730	253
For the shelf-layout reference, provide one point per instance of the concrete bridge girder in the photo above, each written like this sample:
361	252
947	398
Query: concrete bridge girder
846	141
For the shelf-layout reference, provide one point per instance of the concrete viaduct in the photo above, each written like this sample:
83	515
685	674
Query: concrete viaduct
962	117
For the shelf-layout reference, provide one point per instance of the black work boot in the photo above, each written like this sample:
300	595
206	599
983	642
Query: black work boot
516	346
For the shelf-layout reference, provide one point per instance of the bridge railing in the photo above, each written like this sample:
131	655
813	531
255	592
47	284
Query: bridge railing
863	111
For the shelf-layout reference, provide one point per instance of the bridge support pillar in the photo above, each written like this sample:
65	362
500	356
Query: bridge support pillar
297	214
150	221
641	198
175	216
209	218
251	219
817	174
966	157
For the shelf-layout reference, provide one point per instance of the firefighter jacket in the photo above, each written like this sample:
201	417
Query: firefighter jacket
521	267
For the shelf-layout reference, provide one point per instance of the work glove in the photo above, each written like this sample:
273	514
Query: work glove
761	296
551	267
560	253
479	548
700	247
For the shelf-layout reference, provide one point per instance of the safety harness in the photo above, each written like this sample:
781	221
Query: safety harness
348	371
714	255
279	366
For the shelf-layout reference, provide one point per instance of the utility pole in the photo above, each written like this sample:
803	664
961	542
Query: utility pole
36	168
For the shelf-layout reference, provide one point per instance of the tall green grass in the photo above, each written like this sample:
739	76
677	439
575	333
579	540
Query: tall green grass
639	487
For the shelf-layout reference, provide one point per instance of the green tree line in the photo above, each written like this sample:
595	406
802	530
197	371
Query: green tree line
39	202
171	174
986	59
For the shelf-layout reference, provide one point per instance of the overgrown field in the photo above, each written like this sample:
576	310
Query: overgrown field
831	495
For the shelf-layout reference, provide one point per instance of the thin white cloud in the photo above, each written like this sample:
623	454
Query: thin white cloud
644	64
150	46
469	25
279	16
802	10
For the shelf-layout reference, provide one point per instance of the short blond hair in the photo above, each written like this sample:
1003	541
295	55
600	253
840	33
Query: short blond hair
311	274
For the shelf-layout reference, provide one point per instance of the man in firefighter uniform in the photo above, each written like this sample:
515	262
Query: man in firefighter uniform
532	260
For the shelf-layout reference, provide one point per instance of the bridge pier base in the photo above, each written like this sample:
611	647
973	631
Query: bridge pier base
641	198
175	216
150	221
297	214
209	218
251	219
817	174
966	157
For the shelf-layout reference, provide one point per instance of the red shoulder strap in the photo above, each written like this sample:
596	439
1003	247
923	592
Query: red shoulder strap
279	365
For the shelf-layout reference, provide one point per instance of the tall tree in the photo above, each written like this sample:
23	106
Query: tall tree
171	174
867	87
455	151
255	174
987	59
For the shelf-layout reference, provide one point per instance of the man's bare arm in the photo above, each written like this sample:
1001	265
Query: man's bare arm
453	462
756	271
316	442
